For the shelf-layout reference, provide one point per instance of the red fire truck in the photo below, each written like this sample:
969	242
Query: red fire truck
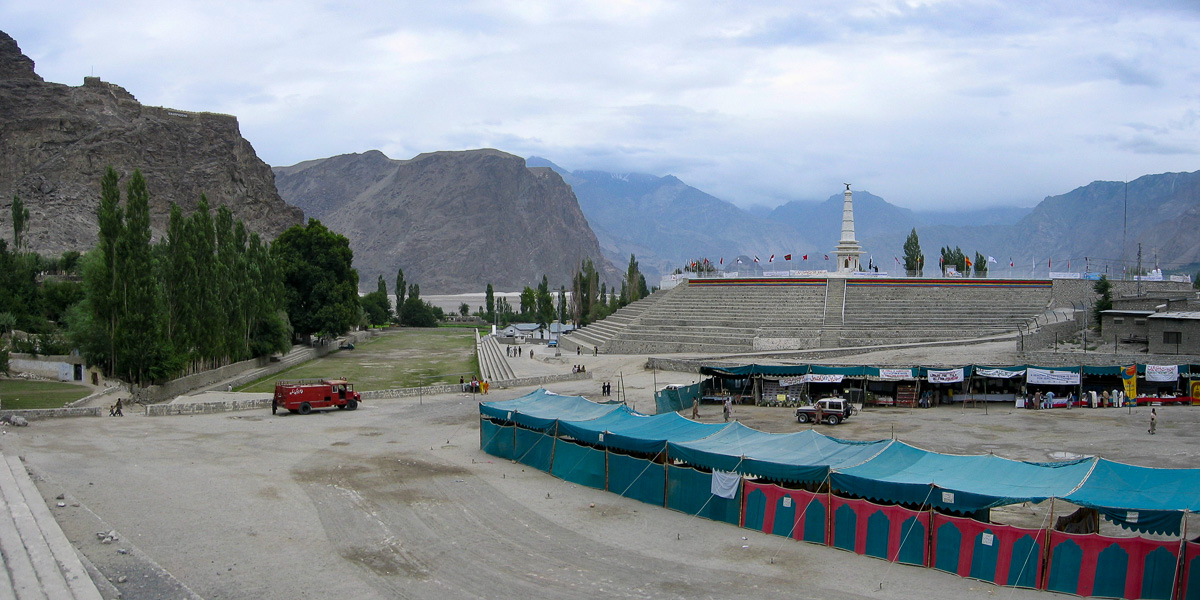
303	395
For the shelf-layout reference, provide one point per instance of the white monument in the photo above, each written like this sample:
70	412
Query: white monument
848	251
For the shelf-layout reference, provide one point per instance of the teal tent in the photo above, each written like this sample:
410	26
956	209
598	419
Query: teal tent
539	409
805	456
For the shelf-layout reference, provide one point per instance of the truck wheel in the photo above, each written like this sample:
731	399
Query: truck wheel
351	404
802	418
834	419
305	408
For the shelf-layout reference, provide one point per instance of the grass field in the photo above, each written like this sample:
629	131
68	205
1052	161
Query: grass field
17	394
405	358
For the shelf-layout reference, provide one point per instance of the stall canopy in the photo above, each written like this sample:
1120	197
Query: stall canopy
635	432
540	409
1140	498
906	474
805	456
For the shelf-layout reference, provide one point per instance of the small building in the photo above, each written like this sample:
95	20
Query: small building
1174	332
1157	301
1125	325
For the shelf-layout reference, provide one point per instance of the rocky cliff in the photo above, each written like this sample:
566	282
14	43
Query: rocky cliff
454	221
57	140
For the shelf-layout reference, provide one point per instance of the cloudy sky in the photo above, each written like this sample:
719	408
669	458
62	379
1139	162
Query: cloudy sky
929	104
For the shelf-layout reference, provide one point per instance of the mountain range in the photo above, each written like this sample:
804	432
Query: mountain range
56	141
454	221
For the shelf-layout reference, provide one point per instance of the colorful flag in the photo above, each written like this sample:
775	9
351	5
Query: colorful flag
755	258
805	257
772	259
1129	378
722	260
897	259
991	259
968	261
826	257
1011	263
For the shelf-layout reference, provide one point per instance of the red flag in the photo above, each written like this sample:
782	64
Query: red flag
1048	261
826	257
787	257
805	257
1011	263
722	260
755	258
772	259
968	262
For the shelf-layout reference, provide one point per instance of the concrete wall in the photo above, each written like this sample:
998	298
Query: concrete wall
61	368
454	388
34	414
1046	335
1189	330
204	408
1129	327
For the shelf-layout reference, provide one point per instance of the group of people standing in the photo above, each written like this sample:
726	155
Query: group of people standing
606	389
515	351
475	386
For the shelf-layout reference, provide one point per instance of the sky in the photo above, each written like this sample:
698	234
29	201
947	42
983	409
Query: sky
932	105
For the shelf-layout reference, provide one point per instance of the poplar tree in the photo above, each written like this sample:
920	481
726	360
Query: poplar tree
914	261
20	222
139	338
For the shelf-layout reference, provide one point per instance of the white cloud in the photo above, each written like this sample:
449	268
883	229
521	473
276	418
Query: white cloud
924	103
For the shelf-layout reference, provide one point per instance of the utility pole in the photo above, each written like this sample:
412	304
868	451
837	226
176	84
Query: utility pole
1125	233
1138	275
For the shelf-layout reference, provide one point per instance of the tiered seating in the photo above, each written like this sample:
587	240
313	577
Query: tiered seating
897	311
492	362
726	317
39	561
599	333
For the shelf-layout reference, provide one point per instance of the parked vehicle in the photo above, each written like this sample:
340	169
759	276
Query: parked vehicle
303	395
833	411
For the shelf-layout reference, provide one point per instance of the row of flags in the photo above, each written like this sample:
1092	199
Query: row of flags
788	257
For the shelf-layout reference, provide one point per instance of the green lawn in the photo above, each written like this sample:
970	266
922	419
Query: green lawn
396	359
16	394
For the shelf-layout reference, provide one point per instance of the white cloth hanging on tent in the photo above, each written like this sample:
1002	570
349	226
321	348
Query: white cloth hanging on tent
724	484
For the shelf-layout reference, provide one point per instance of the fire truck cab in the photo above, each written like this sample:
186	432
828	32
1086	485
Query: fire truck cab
303	395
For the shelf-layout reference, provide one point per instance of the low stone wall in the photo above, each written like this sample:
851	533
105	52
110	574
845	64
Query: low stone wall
204	408
1046	335
528	381
1048	358
33	414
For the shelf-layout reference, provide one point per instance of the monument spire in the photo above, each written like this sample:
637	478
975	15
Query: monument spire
848	250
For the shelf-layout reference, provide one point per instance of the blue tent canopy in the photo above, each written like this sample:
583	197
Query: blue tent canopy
1140	498
906	474
805	456
635	432
539	409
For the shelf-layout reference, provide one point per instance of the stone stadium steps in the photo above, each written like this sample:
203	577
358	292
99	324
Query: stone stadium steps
39	561
493	365
599	333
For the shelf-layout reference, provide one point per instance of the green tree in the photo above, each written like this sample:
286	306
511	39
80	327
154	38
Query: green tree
464	309
545	303
1103	289
981	265
489	302
20	222
141	347
416	312
400	288
914	260
634	280
585	286
320	287
954	258
528	303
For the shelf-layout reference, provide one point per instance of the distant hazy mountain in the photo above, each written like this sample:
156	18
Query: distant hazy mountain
666	223
1082	228
454	221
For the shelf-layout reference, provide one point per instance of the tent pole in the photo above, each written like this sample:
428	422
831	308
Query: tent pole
606	468
1046	549
553	446
666	474
1182	563
829	508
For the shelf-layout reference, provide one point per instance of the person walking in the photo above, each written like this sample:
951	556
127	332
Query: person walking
1153	421
728	409
696	408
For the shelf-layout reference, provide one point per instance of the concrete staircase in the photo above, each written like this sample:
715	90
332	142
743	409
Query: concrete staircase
598	334
39	561
493	365
835	312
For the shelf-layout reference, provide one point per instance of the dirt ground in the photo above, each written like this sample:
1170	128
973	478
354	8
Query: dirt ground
395	500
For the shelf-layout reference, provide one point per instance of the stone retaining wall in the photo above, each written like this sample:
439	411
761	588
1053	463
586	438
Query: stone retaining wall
1046	335
204	408
33	414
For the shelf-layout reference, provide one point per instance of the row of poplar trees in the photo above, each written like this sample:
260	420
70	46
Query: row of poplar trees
207	295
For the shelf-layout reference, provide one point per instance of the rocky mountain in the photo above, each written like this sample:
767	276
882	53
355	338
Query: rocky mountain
57	140
667	223
454	221
1083	228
